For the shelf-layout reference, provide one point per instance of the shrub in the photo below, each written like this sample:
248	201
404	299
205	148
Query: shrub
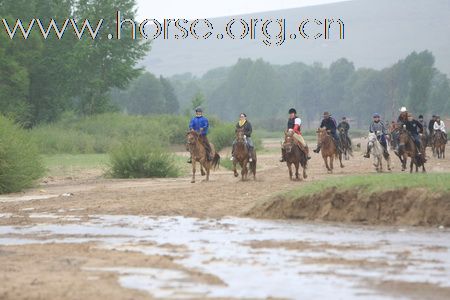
222	135
138	159
20	164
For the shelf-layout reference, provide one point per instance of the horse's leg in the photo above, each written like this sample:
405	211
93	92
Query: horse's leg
236	174
388	161
194	162
202	170
296	164
243	170
208	168
340	160
289	165
325	159
411	165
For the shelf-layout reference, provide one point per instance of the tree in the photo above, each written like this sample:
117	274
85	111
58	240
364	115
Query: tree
170	99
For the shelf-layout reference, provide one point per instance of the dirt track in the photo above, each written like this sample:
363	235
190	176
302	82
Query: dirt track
59	271
224	195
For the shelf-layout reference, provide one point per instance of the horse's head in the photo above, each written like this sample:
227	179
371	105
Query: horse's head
288	140
321	134
240	136
372	137
191	137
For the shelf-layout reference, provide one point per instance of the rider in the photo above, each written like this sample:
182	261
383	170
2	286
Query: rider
414	128
424	124
295	124
431	125
379	129
344	125
246	126
439	125
403	117
329	123
200	124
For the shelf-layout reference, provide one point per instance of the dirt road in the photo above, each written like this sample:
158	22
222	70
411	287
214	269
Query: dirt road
95	238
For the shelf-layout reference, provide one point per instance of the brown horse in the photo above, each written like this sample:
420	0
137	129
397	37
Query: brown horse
198	154
294	155
439	142
242	156
328	148
346	144
407	148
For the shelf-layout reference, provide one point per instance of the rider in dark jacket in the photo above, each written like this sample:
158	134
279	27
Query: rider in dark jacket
329	123
414	128
246	126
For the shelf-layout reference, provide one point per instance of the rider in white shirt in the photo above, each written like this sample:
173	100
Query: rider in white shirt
439	124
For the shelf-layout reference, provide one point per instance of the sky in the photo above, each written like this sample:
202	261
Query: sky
201	9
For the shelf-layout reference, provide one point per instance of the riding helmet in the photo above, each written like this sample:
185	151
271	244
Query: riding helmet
292	111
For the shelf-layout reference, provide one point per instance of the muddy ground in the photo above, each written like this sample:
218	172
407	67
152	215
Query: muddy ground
65	270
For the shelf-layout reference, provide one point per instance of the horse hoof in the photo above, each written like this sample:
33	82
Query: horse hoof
192	181
305	176
236	174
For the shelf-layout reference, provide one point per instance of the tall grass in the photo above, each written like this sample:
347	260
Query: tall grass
20	164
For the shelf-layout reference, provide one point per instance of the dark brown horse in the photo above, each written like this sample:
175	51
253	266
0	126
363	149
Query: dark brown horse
198	153
294	155
439	142
242	156
407	148
346	144
328	149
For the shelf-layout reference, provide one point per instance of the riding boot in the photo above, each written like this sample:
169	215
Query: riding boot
317	150
250	154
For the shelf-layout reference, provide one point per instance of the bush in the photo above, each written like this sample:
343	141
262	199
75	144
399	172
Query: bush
222	135
138	159
20	164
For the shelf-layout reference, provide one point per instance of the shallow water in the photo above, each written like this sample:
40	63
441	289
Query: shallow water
318	260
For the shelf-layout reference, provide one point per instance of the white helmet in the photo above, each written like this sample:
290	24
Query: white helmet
403	109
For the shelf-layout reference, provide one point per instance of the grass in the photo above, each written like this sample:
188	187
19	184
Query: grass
377	182
70	164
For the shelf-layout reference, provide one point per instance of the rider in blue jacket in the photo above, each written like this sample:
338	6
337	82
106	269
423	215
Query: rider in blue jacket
200	124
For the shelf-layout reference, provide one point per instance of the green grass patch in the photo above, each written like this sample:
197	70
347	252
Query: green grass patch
438	182
71	164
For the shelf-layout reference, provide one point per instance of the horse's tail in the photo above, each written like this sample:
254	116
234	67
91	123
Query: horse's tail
215	163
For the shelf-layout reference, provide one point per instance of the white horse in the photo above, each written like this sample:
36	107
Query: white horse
377	151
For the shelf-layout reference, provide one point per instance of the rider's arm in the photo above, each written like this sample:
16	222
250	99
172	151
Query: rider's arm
191	124
249	129
297	124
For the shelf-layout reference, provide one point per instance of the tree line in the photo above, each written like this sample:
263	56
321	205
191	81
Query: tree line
265	91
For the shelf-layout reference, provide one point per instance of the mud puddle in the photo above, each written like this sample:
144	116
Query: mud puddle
254	259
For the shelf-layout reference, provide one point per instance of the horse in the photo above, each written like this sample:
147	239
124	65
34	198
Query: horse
407	148
294	155
346	144
242	156
377	152
439	142
198	154
329	148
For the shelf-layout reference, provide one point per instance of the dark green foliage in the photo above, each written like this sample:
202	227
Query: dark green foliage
20	164
42	78
138	159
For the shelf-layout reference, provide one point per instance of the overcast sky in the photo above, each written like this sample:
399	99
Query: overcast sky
198	9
